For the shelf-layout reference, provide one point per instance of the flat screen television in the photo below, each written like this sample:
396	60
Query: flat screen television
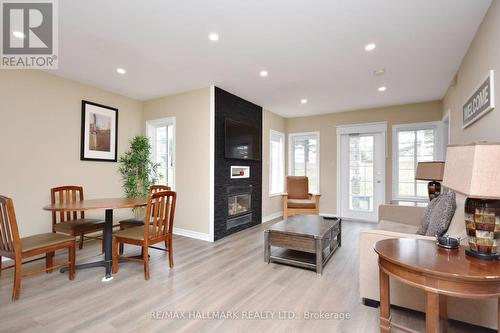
242	141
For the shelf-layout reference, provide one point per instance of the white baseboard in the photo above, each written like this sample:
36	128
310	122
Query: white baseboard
271	217
192	234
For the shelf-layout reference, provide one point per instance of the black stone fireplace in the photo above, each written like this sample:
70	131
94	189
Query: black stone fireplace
237	200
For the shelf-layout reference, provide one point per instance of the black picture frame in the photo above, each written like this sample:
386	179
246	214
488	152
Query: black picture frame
99	155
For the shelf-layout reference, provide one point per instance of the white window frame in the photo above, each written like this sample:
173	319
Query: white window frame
438	153
291	136
282	159
150	133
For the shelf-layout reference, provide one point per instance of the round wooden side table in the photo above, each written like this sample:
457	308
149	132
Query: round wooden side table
439	272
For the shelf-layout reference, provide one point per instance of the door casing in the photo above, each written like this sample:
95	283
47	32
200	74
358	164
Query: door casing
364	128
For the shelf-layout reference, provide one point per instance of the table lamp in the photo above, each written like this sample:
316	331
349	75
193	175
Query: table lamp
474	170
433	172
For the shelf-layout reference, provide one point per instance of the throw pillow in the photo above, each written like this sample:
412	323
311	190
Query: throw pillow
441	215
426	219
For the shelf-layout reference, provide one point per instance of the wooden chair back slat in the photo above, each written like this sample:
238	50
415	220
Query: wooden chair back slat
66	194
5	233
73	199
159	217
10	243
163	213
158	188
155	216
61	199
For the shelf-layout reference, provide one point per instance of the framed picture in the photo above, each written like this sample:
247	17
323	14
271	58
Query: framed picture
99	136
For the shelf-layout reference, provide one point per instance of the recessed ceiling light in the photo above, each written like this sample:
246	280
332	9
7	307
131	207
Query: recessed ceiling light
263	73
18	34
213	37
370	47
303	101
382	89
379	72
121	71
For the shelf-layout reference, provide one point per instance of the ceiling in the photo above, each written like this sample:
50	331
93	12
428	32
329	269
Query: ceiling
311	49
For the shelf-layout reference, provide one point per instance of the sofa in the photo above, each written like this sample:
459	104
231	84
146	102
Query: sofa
403	221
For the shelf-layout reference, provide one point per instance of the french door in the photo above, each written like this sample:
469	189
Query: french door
362	171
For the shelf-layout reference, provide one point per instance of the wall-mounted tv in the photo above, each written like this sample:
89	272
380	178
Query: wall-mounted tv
242	141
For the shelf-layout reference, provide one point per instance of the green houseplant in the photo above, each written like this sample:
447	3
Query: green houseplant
137	170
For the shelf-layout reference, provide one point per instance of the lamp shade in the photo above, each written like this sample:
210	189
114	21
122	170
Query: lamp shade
430	171
474	170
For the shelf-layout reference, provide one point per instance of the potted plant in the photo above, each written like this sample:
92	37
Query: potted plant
137	170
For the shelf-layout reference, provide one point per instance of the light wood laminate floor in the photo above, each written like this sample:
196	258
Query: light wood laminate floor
229	275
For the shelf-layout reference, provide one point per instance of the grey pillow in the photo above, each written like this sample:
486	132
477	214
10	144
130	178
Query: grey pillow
426	219
438	215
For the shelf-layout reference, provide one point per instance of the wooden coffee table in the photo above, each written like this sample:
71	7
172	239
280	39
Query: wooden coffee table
440	272
304	240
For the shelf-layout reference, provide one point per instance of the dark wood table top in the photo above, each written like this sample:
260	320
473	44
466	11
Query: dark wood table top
94	204
305	225
426	257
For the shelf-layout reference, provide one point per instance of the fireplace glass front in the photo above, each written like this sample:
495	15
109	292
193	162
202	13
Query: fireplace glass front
239	204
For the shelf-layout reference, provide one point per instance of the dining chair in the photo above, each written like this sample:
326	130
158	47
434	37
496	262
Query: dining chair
139	221
72	223
160	215
17	249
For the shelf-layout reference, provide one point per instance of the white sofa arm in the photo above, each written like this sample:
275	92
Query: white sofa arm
401	214
368	259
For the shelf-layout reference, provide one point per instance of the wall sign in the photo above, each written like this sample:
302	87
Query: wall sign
481	102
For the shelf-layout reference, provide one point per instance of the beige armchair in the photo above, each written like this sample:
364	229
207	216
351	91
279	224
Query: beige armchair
297	199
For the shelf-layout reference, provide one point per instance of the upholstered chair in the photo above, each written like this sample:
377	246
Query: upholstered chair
297	199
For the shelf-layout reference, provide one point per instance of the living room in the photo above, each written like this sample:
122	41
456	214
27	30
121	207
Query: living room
362	98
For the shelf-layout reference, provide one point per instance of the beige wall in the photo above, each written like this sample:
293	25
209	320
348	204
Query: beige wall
271	121
482	56
326	125
192	157
47	110
40	119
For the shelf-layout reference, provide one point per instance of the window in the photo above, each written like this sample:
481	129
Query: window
161	133
413	143
304	157
361	169
276	163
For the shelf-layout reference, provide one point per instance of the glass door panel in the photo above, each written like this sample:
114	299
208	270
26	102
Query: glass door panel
361	172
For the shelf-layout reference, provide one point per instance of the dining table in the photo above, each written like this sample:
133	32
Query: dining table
108	205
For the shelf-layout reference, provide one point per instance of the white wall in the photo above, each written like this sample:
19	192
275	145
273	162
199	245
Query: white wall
192	184
271	206
40	122
483	55
326	125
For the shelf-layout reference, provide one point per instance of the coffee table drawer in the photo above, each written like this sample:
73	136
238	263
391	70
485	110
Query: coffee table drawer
293	242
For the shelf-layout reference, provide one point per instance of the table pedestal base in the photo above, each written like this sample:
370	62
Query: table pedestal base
108	249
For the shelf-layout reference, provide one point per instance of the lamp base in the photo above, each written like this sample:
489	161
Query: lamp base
480	255
482	223
434	189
